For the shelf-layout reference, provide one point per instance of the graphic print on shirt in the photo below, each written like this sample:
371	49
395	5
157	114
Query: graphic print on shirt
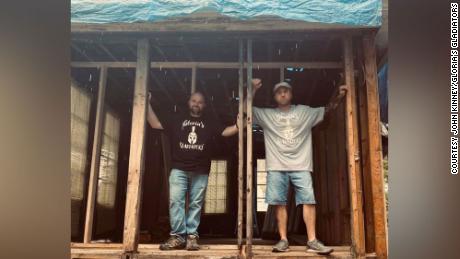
287	133
192	136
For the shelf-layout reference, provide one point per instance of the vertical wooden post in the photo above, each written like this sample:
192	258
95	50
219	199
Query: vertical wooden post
354	172
375	147
136	153
282	74
365	163
249	212
96	156
240	143
193	89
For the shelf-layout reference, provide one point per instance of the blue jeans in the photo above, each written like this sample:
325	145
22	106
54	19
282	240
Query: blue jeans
180	182
278	184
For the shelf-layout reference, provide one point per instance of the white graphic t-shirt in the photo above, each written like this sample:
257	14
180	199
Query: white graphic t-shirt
287	135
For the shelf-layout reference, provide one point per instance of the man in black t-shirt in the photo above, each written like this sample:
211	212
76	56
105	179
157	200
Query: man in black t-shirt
191	135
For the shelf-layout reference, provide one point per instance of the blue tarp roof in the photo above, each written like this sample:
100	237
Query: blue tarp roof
348	12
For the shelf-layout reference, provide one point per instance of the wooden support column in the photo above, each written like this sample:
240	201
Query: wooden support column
375	147
193	80
96	156
136	153
282	74
353	155
365	164
240	144
249	209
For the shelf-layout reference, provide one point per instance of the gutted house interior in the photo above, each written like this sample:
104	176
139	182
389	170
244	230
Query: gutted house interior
120	165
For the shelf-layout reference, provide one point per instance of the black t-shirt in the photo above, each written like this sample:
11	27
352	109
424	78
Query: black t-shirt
191	140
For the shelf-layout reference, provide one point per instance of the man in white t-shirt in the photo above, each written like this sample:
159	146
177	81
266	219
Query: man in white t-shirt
288	149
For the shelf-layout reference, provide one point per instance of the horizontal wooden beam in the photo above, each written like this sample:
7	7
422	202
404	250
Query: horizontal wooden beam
212	22
207	246
96	245
211	65
206	251
198	37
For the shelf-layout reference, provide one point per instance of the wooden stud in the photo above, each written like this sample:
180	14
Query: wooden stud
333	177
365	163
268	94
356	204
323	209
240	144
375	147
282	73
344	200
193	89
136	154
249	212
166	153
96	156
316	181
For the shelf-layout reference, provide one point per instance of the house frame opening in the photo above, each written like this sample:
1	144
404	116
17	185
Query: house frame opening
124	159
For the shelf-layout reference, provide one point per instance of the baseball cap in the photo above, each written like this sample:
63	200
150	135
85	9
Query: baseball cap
281	84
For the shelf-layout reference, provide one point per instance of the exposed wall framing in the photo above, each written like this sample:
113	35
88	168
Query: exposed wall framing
249	166
136	156
346	120
353	154
96	155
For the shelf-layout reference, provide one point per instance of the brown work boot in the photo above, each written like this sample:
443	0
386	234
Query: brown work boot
173	243
192	243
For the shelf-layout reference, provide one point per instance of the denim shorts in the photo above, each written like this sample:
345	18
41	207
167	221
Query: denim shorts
278	184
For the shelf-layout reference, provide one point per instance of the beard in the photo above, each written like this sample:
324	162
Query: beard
195	110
